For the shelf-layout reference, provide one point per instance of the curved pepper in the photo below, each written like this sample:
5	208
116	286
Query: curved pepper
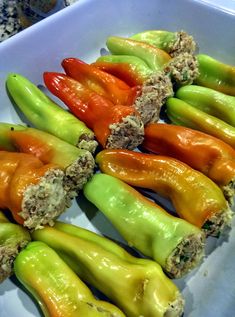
195	197
56	288
46	115
77	164
146	99
114	126
174	43
213	102
182	113
216	74
33	192
182	69
172	242
13	238
205	153
137	286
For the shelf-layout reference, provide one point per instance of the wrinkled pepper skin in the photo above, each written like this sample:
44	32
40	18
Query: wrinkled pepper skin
99	81
181	113
13	238
77	164
32	191
55	287
201	151
171	179
216	75
108	267
154	57
213	102
46	115
131	69
112	124
174	43
146	226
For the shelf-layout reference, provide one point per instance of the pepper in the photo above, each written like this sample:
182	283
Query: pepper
55	287
13	238
181	113
137	286
205	153
216	74
77	164
174	180
174	43
33	192
146	99
115	126
172	242
182	69
210	101
46	115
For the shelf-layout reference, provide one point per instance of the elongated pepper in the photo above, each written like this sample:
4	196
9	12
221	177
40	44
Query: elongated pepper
153	87
115	126
183	69
55	287
13	238
77	164
215	74
174	43
172	242
146	99
201	151
32	191
137	286
195	197
181	113
46	115
213	102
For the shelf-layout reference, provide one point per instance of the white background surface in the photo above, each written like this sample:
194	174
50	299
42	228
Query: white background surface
80	31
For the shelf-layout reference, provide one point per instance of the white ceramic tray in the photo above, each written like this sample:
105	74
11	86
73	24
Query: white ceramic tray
80	31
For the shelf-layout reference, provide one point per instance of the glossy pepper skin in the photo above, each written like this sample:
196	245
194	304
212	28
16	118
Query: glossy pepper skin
213	102
174	43
182	69
55	287
112	124
171	179
146	99
181	113
77	164
205	153
32	191
113	271
46	115
146	226
13	238
99	81
216	74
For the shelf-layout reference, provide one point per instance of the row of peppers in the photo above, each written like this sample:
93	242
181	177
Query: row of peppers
95	96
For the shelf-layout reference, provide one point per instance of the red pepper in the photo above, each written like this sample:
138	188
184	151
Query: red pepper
114	125
99	81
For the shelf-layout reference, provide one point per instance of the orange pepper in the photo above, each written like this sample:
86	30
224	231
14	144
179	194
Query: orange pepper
195	197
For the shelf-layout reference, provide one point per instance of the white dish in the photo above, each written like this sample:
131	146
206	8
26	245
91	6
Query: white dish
81	31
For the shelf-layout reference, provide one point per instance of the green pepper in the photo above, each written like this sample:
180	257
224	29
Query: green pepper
146	226
46	115
13	238
210	101
181	113
56	288
137	286
174	43
77	164
216	74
